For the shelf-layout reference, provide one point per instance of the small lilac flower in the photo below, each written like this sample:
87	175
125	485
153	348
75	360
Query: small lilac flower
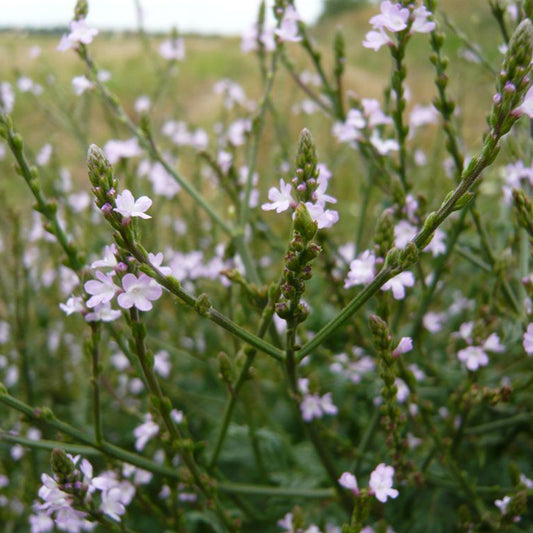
473	357
503	504
79	33
73	305
405	345
80	84
493	344
109	260
173	49
526	107
421	24
102	313
381	483
349	481
403	233
145	432
281	199
127	206
325	218
288	30
527	340
398	283
375	39
115	150
393	17
102	290
361	270
138	292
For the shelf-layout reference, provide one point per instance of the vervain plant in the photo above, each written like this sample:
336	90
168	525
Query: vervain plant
197	341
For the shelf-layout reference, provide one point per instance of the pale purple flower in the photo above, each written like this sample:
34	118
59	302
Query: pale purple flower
41	523
403	233
325	218
173	49
250	38
503	504
473	357
238	130
375	39
311	407
25	84
421	24
127	206
372	111
281	199
383	146
72	521
527	339
526	107
102	313
79	33
437	246
7	97
398	283
433	322
115	150
145	432
157	261
393	17
109	260
421	115
493	344
112	504
224	161
139	292
101	290
349	481
142	104
162	363
314	406
405	345
380	483
288	30
362	270
73	305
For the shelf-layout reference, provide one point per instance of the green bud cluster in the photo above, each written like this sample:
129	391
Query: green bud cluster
523	210
297	268
384	234
101	176
513	81
393	419
81	10
305	182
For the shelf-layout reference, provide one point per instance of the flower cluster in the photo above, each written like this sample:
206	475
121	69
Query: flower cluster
380	484
312	405
73	492
475	356
396	18
80	33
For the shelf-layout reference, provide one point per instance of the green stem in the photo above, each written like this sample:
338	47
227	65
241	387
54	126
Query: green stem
266	320
148	143
211	313
95	380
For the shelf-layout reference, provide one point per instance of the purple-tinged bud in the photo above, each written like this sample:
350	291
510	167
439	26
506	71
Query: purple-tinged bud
509	87
497	99
121	267
301	188
126	222
107	209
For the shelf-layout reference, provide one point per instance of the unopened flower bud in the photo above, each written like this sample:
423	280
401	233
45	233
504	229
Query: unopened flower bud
304	224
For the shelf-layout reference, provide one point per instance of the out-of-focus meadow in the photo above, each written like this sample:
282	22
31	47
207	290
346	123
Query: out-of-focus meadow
70	123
